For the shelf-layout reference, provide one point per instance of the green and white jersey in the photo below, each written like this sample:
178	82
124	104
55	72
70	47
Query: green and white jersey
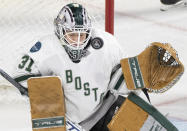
84	83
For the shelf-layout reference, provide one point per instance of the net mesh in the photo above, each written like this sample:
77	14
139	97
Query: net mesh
165	58
25	21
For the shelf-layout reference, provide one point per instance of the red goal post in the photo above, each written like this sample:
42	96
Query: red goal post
109	16
24	21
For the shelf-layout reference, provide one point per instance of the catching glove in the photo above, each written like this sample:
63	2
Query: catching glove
157	68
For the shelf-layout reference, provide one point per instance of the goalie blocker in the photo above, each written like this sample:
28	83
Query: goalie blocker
47	104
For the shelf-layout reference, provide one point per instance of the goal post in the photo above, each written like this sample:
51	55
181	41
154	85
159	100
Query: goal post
24	22
109	16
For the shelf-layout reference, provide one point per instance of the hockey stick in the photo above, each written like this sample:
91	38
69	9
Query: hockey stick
22	89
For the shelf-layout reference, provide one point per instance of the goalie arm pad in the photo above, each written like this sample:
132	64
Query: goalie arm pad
137	115
157	68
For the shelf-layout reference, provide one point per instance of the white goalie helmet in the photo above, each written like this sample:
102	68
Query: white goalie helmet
73	28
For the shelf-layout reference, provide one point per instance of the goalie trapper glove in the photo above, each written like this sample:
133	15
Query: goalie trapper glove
157	68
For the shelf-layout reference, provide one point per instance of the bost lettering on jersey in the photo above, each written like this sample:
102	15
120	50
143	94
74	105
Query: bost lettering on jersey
85	87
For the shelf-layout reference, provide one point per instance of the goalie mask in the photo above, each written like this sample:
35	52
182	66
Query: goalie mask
73	28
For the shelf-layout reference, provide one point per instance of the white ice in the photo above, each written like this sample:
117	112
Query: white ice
137	24
141	22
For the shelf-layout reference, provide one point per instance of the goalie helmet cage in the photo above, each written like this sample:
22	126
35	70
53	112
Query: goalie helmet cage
23	22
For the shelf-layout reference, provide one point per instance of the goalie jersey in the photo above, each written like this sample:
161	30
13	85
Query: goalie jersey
84	83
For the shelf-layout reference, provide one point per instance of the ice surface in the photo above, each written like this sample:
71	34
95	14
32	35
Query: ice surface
137	24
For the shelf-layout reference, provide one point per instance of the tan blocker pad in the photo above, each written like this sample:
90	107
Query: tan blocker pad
47	104
137	115
157	68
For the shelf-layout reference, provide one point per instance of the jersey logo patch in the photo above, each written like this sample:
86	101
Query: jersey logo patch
36	47
97	43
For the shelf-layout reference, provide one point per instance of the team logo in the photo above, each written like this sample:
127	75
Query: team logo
36	47
97	43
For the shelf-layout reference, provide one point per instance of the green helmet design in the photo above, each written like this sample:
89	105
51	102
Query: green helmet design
73	19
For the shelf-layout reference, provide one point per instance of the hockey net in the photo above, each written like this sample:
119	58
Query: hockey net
24	21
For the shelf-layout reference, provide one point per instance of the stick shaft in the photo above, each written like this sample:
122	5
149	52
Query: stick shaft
22	89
